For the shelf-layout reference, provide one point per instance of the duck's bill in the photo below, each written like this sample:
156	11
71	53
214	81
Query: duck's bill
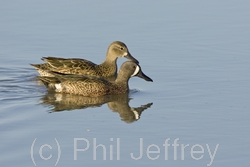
143	76
130	57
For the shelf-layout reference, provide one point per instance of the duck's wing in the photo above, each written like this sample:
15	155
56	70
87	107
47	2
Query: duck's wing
71	66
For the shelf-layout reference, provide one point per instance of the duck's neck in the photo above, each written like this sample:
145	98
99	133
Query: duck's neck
121	87
122	81
122	77
109	66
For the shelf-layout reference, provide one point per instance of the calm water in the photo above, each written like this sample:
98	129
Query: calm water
195	113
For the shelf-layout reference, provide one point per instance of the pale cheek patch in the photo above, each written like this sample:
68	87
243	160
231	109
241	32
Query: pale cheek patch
137	69
125	54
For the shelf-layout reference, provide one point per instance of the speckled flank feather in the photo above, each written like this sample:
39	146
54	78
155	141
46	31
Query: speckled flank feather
82	85
93	86
84	67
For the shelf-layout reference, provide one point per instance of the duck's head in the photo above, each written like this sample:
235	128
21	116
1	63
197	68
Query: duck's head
131	69
119	49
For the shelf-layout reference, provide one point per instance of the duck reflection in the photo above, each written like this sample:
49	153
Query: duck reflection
116	103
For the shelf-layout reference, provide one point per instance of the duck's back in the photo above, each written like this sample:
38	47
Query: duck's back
75	66
71	66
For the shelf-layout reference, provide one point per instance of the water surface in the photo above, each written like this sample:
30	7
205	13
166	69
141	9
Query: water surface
197	53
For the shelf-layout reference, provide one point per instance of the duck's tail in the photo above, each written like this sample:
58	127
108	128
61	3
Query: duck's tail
36	66
49	82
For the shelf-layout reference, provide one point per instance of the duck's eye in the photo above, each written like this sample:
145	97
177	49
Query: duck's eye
121	48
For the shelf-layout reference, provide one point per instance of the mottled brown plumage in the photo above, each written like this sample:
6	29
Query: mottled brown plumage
94	86
84	67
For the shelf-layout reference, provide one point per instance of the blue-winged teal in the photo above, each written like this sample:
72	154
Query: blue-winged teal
84	67
94	86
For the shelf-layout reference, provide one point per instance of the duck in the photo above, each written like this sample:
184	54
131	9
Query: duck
77	66
94	86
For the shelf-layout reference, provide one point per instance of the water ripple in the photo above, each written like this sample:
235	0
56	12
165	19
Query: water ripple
18	83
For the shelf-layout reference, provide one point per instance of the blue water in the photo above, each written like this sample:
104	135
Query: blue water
195	113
